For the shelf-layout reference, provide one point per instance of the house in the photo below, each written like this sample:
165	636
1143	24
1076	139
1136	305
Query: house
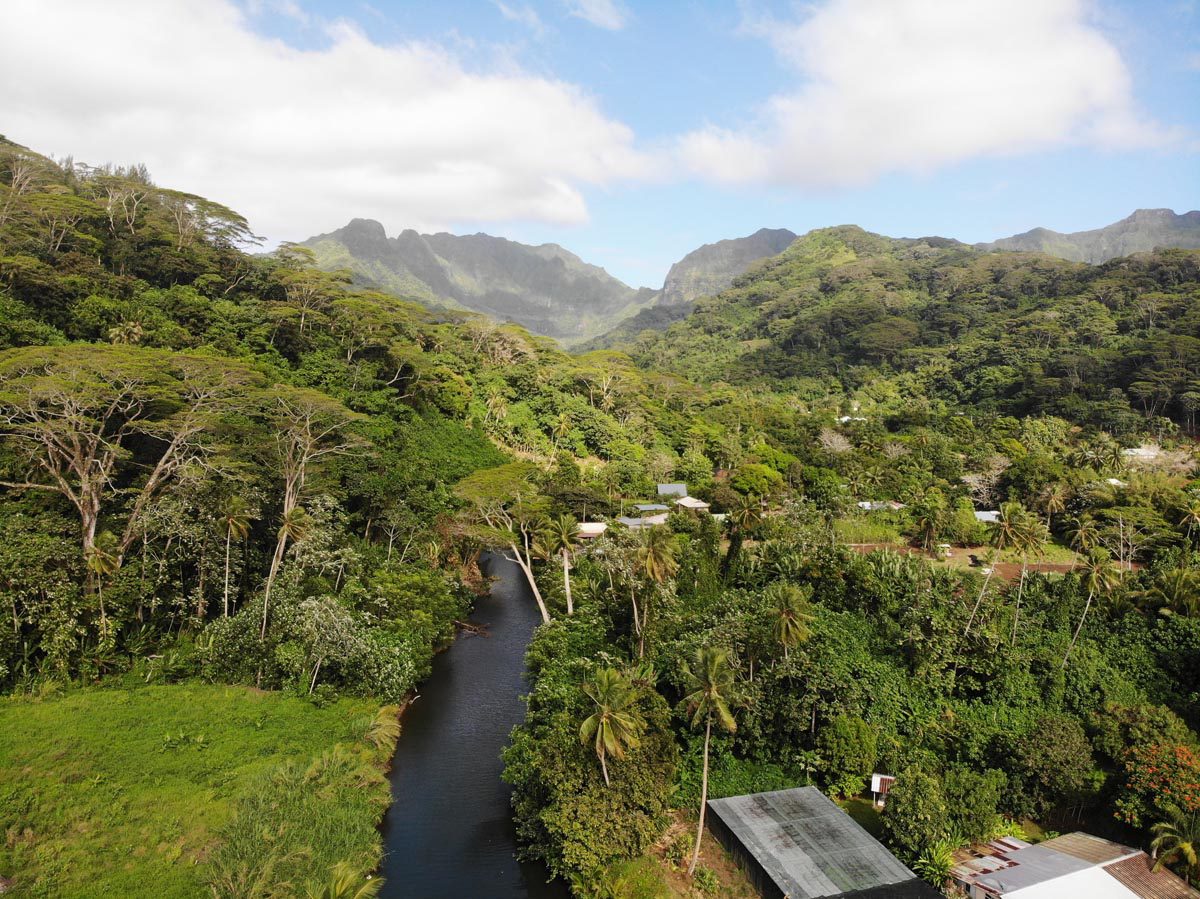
651	507
988	516
1072	866
797	843
646	521
589	530
691	503
672	490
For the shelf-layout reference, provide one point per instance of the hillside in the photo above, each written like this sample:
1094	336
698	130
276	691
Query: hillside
702	272
1145	230
546	289
845	309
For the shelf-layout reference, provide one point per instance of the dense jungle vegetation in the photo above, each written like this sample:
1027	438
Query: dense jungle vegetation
221	468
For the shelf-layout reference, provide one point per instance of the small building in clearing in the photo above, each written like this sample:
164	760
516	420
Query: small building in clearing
987	516
589	530
672	490
691	503
797	844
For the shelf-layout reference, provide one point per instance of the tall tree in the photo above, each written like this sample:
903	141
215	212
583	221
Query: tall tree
309	428
710	682
1100	575
658	561
236	520
561	538
616	725
790	614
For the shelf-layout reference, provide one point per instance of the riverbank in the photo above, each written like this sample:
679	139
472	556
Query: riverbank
166	791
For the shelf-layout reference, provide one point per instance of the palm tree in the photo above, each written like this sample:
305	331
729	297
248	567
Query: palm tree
103	561
560	537
1100	576
1054	500
616	726
743	518
1004	532
294	528
561	428
791	614
657	560
1031	534
1189	517
237	523
1177	838
710	680
1177	590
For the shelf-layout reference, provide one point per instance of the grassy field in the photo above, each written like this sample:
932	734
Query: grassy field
178	790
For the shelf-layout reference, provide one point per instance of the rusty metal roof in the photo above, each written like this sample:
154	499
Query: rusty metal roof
1137	875
1089	848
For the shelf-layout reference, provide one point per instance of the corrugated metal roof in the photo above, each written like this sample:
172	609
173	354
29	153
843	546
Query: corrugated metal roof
672	490
810	847
1138	876
1089	848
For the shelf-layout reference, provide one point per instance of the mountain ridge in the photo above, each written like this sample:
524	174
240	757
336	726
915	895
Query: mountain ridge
545	288
1142	231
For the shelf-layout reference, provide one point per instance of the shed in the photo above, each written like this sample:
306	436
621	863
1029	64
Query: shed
672	490
690	502
651	507
797	843
649	521
988	516
590	529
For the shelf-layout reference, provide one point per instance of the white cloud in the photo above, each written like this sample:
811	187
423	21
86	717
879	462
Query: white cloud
608	14
914	85
523	15
301	140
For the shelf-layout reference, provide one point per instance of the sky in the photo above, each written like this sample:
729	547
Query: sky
628	132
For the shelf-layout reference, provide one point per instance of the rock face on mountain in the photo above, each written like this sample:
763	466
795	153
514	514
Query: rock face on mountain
1145	230
545	288
712	268
703	272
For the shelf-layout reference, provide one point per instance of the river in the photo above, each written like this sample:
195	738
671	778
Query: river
449	832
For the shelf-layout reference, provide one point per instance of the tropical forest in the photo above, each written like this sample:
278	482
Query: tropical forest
449	565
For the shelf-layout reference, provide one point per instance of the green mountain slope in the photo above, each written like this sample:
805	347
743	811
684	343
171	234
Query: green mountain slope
1146	229
845	309
546	289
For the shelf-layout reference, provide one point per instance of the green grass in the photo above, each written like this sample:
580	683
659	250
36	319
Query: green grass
863	812
127	792
874	528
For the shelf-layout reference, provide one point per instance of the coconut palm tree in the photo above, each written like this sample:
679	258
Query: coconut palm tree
1177	590
1189	517
103	561
561	428
1053	498
791	613
1177	839
1003	532
710	682
1100	575
1030	536
616	726
657	561
560	537
237	523
1083	534
743	518
294	528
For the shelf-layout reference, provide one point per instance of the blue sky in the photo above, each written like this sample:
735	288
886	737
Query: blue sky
632	132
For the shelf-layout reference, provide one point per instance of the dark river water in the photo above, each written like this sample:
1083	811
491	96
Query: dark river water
449	832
